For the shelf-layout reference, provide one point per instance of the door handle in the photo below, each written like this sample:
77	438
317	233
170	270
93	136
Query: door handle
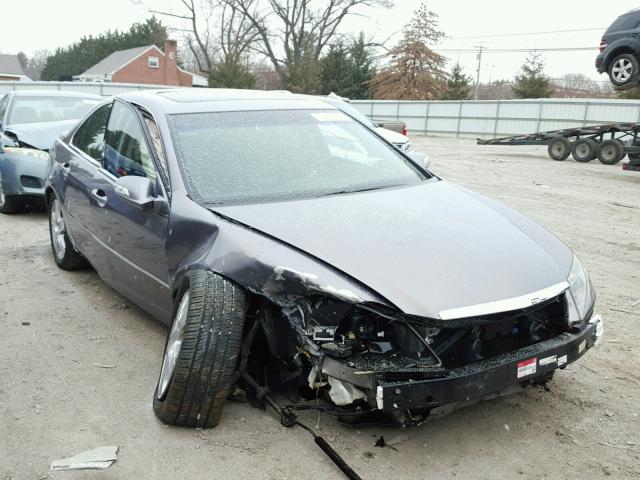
99	196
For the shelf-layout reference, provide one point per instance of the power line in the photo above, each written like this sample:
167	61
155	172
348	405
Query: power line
515	50
520	34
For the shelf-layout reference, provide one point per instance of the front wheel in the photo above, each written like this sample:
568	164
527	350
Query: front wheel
7	204
202	351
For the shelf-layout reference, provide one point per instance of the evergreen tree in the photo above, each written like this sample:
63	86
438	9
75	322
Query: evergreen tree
458	84
346	69
231	75
415	71
531	82
73	60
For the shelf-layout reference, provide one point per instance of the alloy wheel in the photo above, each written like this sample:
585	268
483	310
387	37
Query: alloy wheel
58	230
622	70
174	344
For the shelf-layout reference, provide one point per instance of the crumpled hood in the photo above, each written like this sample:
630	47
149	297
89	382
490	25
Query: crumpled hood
40	135
426	248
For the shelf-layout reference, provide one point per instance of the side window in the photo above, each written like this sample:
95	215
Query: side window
90	135
126	151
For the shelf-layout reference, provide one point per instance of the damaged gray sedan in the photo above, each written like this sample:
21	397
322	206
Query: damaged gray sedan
289	248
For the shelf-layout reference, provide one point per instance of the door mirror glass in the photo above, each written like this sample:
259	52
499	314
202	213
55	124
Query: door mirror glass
420	159
136	190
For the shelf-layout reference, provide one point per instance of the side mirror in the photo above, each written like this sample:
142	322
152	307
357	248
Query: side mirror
136	190
420	159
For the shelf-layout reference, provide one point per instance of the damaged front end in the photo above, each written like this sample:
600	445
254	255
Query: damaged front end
364	357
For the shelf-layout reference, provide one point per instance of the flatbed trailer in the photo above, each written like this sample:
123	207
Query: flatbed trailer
610	143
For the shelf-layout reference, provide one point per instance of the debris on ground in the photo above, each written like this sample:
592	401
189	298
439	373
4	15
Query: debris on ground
99	458
103	365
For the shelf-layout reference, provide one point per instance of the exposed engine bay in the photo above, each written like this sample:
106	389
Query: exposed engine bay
348	354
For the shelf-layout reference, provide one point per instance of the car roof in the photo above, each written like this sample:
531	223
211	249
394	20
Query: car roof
53	93
201	100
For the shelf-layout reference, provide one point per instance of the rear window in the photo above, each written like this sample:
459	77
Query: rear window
49	109
628	21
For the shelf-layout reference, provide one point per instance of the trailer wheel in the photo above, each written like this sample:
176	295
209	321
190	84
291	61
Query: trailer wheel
610	152
559	148
584	150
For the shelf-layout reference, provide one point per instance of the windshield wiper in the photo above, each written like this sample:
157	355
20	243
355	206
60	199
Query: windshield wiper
365	189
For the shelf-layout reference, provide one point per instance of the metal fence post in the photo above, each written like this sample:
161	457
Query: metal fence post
459	119
397	111
539	115
586	114
495	124
426	116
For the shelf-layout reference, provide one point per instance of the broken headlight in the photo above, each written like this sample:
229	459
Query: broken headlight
582	296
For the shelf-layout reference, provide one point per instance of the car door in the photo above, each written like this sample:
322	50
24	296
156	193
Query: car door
81	160
134	237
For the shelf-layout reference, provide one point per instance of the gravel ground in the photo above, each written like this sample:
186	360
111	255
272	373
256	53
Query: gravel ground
57	399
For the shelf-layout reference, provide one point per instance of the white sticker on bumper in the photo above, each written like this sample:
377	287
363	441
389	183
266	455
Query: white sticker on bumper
527	367
562	360
548	360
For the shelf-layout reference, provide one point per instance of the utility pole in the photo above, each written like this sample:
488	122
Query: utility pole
479	56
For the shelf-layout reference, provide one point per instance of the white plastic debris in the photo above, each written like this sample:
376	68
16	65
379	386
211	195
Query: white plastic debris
99	458
343	393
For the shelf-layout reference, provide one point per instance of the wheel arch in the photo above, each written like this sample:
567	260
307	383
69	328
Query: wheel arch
619	50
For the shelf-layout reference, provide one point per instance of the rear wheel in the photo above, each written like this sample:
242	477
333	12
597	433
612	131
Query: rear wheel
559	148
584	150
7	204
623	69
202	352
610	152
64	253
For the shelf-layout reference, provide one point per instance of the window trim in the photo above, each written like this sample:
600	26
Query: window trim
155	59
81	123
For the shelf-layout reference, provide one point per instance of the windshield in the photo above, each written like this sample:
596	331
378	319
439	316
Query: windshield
259	156
49	109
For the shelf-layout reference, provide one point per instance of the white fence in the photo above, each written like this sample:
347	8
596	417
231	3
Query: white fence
104	89
490	118
486	118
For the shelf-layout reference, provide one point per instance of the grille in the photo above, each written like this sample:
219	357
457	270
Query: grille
30	182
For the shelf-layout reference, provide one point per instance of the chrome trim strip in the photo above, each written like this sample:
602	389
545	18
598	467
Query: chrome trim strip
506	305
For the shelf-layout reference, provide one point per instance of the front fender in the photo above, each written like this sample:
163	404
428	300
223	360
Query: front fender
15	165
198	238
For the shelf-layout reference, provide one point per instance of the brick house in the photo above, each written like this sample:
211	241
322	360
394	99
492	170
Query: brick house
146	64
11	70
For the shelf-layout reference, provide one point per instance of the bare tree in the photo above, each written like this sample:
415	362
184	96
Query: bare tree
578	85
293	33
219	38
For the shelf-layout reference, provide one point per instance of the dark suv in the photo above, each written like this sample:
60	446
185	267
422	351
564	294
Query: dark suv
620	50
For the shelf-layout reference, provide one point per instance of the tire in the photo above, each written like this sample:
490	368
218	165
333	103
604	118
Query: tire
623	70
610	152
559	148
8	204
584	150
205	339
64	253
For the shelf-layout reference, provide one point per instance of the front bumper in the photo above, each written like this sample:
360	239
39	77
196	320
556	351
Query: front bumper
23	174
492	376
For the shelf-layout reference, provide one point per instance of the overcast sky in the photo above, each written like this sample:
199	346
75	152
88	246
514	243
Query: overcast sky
59	23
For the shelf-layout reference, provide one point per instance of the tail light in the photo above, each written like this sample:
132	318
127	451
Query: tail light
404	131
603	45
